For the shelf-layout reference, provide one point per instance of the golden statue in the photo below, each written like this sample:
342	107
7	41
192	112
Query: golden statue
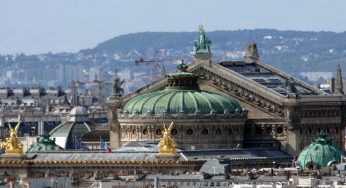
13	146
167	143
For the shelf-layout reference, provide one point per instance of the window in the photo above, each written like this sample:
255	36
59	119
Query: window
174	132
279	130
158	131
268	130
205	131
237	131
230	132
218	131
189	131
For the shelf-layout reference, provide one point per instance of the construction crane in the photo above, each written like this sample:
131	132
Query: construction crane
155	65
100	83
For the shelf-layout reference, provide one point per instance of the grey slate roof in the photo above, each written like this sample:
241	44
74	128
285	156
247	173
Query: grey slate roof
237	154
201	155
264	76
95	156
214	167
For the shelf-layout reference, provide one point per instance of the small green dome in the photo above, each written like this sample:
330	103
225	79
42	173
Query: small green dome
182	95
320	152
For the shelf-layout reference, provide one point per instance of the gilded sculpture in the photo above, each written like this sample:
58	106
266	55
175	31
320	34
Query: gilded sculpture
13	145
167	143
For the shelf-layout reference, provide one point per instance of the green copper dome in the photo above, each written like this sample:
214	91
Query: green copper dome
182	95
320	152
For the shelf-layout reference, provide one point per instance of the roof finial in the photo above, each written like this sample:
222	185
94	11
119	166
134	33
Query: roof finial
251	53
182	67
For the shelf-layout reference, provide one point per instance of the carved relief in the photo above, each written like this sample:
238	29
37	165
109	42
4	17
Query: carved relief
293	115
114	125
241	92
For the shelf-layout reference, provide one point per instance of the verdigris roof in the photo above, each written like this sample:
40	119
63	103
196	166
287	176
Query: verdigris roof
320	152
175	101
44	143
182	95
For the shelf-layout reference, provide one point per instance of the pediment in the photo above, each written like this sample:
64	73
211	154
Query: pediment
249	93
254	112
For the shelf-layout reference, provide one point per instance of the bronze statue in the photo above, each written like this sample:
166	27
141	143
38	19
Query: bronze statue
117	89
167	143
202	44
290	86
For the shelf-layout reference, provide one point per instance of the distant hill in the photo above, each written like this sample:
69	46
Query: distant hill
291	51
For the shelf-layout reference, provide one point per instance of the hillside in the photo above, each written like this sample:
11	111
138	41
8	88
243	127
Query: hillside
291	51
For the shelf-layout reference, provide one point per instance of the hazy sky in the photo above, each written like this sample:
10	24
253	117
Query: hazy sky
39	26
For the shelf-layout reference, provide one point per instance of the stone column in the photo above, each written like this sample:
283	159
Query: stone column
293	116
114	103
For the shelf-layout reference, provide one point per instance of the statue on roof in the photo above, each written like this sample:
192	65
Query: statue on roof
322	139
182	67
117	89
13	146
290	86
167	143
251	53
202	44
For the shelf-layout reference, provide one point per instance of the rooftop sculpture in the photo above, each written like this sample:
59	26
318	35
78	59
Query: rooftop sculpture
202	44
167	143
117	89
251	53
13	146
290	86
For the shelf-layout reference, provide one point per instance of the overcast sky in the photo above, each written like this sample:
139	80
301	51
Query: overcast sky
39	26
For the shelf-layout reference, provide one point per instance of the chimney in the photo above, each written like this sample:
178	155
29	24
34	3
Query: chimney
338	82
332	85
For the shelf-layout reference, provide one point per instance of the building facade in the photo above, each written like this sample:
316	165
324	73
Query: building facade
281	111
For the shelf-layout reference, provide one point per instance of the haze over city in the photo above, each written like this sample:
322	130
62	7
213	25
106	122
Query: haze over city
40	26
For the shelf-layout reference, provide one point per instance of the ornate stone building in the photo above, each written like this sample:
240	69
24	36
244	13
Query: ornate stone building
82	168
275	109
202	119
